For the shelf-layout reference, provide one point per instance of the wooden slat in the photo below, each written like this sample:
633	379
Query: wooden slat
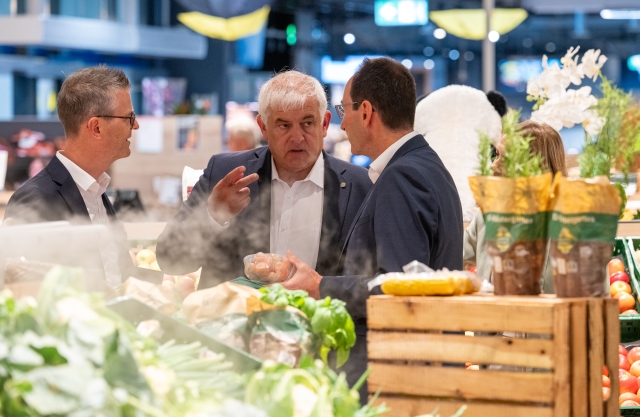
534	353
612	340
596	356
579	360
462	384
561	360
474	313
411	407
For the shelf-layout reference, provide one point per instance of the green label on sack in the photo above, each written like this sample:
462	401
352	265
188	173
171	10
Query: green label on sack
505	229
569	228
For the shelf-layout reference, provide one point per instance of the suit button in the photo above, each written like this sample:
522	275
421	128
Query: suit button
343	184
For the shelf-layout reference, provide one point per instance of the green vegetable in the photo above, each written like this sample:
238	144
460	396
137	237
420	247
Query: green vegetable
330	320
312	390
518	159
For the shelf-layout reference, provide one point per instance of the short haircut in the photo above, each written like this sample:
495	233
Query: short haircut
244	127
391	90
290	90
548	144
87	93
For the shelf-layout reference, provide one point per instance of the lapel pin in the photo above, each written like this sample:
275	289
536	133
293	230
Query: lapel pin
343	184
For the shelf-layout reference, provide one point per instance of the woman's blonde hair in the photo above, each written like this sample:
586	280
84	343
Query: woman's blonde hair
548	144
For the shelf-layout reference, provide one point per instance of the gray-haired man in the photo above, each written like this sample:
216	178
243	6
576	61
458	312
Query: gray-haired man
289	195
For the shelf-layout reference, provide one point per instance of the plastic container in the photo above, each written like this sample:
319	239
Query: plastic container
268	268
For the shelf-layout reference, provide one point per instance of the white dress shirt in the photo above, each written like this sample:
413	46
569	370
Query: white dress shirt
91	192
380	163
296	214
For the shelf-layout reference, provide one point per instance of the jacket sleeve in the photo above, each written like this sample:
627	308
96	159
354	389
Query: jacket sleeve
183	244
29	205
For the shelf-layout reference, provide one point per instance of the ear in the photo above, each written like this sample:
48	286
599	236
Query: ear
325	123
94	127
263	127
367	112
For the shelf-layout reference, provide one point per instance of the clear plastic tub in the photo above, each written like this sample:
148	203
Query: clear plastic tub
268	268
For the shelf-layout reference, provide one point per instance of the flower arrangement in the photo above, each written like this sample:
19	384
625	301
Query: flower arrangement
556	104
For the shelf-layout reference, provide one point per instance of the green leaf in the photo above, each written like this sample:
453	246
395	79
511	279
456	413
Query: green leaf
342	356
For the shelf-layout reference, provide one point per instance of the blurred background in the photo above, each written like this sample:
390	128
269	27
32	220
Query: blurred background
196	65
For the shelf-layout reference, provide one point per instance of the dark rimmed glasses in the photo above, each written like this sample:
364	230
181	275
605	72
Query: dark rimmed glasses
131	117
340	108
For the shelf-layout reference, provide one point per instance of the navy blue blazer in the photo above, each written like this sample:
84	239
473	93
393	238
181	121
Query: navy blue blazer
189	242
412	212
53	195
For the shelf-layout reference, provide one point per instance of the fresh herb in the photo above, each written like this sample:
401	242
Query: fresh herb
330	320
311	390
485	155
518	159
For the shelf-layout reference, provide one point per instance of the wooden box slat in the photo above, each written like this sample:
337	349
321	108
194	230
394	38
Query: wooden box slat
406	346
533	353
532	315
461	383
411	407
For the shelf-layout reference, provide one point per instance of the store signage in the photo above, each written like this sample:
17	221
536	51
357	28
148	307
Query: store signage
401	12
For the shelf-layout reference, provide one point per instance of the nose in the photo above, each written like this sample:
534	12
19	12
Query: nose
297	134
136	126
342	124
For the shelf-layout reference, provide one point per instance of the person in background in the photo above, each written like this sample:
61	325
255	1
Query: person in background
94	107
243	134
289	195
548	144
413	211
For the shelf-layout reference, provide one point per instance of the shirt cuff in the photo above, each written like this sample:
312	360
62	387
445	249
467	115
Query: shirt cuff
214	222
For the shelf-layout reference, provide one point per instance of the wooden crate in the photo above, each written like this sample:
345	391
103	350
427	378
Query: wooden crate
407	349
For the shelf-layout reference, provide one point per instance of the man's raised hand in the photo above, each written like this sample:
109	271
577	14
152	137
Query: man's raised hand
230	195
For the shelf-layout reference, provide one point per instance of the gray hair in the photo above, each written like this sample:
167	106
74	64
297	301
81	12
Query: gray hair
87	93
289	91
244	127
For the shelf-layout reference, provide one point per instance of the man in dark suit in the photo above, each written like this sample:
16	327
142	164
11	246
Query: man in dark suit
289	195
94	107
412	212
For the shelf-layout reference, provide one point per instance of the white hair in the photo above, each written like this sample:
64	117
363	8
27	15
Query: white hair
450	119
290	91
244	127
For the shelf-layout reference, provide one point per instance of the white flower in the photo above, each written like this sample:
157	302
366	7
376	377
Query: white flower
592	123
592	62
570	66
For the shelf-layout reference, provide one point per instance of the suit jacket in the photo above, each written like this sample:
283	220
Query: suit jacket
53	195
413	212
190	241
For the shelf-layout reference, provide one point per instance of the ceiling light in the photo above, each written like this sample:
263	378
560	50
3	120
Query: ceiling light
468	56
493	36
429	64
439	33
349	38
550	47
428	51
620	14
407	63
454	55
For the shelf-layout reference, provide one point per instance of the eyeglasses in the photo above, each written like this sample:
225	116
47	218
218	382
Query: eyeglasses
132	118
340	107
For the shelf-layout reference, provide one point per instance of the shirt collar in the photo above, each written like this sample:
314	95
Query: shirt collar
316	175
83	179
380	163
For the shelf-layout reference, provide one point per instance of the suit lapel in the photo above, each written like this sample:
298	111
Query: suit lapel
111	212
336	197
357	217
68	188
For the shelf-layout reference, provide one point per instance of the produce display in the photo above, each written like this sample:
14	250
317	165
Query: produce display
330	321
268	267
67	354
620	288
629	372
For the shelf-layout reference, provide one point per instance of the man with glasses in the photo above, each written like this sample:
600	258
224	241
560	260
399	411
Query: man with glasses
413	211
94	107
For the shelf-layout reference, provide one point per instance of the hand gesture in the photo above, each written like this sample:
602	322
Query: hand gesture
230	195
